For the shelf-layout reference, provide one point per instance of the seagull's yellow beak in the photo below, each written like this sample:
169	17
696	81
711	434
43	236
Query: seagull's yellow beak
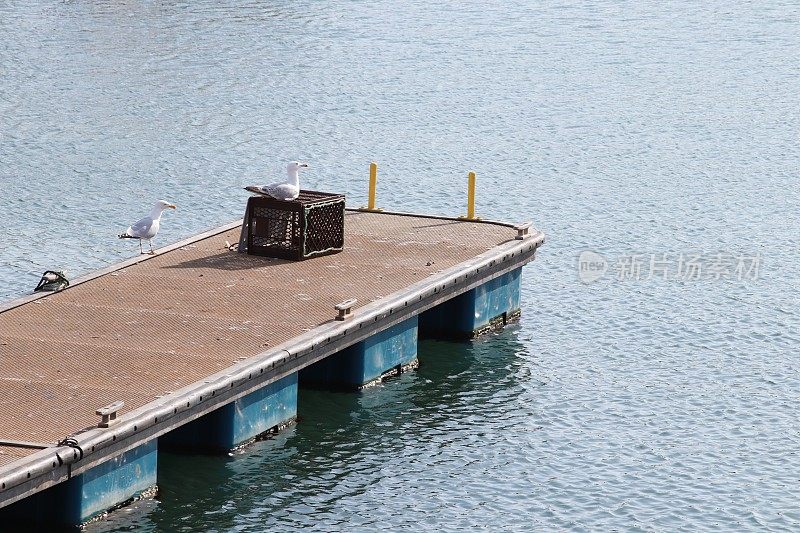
172	206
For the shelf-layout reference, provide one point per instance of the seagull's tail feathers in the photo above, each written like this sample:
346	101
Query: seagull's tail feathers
126	236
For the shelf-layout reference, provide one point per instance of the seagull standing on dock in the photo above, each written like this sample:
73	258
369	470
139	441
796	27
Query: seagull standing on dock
147	228
289	189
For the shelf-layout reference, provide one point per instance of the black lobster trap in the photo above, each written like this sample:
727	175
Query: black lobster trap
308	226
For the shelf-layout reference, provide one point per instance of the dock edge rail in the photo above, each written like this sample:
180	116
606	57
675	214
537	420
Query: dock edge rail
85	449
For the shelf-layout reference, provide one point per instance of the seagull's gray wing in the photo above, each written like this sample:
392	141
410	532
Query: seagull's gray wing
141	229
281	191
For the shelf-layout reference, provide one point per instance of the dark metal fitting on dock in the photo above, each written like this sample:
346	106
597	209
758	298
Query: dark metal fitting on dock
52	281
523	230
109	413
345	309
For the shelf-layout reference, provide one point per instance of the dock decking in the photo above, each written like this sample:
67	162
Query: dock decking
198	319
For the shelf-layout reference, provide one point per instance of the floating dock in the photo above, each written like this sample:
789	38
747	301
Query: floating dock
206	348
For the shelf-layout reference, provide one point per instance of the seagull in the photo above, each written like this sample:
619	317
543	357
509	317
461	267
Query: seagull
147	228
290	189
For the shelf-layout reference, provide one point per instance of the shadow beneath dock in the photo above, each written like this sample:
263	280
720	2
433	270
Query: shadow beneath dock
230	261
346	443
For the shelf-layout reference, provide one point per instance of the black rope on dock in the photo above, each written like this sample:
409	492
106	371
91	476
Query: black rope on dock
72	442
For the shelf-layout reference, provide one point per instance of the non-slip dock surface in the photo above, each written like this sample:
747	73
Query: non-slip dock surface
9	454
154	327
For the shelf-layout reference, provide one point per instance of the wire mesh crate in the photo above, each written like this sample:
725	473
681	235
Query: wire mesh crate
310	225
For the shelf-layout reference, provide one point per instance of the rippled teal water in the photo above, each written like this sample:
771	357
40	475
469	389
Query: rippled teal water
626	128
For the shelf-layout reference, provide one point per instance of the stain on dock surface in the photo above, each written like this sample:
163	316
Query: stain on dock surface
154	327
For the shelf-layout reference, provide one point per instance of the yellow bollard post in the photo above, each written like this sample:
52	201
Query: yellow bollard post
471	196
373	185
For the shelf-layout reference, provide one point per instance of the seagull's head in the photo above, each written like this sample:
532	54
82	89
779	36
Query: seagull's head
161	205
294	166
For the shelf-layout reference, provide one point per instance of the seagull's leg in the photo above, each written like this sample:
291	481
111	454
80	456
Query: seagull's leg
152	252
141	251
